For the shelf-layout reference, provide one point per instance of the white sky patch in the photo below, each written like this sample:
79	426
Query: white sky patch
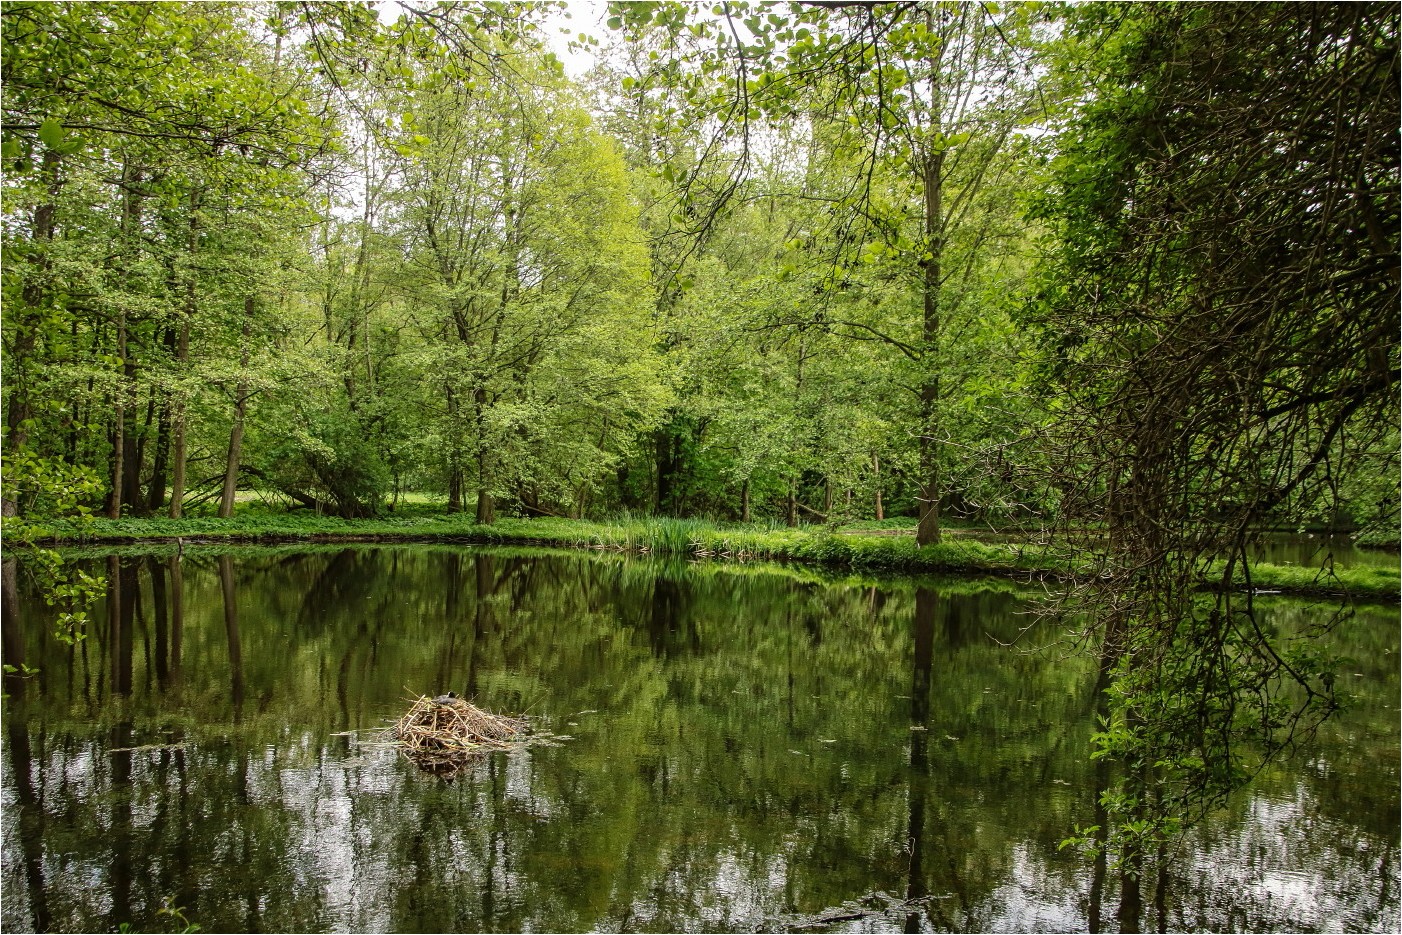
581	16
561	26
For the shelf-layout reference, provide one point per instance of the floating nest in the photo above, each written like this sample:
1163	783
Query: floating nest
444	734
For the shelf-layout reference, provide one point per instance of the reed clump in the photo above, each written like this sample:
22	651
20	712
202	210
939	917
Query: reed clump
445	731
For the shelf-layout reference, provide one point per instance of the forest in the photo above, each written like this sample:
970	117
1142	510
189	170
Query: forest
1125	275
810	263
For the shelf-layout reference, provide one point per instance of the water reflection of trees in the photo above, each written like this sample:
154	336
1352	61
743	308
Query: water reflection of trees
703	793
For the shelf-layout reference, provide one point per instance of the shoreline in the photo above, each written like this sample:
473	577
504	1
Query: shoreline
962	553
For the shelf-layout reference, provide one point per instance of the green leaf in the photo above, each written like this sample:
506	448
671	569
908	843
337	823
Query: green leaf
51	133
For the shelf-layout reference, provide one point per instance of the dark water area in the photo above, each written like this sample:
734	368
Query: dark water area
1314	550
750	748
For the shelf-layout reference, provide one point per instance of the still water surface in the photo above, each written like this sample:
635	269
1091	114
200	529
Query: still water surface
750	749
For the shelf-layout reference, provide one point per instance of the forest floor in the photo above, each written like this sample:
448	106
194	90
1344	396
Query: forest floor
871	547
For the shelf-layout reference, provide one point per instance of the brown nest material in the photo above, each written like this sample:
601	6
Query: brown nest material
438	732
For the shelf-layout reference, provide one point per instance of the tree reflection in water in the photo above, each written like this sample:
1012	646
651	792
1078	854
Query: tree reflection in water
751	748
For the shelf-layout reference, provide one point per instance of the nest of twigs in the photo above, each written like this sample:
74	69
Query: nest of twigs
444	732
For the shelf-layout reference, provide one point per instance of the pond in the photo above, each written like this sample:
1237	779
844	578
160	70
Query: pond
748	748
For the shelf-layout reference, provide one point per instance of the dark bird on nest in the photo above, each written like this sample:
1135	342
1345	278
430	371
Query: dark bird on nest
445	699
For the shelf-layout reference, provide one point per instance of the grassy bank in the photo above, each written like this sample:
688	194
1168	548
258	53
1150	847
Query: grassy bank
663	536
695	538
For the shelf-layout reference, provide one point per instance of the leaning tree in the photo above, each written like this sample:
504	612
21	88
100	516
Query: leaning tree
1222	333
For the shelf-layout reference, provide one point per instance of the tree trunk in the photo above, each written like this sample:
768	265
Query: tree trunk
121	457
134	459
156	491
160	607
486	507
665	468
177	457
114	500
926	608
928	531
791	508
11	625
231	633
745	501
121	616
876	469
454	488
231	466
177	613
454	455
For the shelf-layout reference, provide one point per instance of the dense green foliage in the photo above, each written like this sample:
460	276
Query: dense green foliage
1222	323
1127	272
334	260
768	263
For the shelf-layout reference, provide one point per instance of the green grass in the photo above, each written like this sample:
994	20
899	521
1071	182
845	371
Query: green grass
678	537
1377	539
1363	580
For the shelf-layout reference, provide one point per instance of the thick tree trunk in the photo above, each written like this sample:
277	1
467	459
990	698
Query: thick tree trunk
231	466
133	460
928	531
791	507
156	491
121	616
486	507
